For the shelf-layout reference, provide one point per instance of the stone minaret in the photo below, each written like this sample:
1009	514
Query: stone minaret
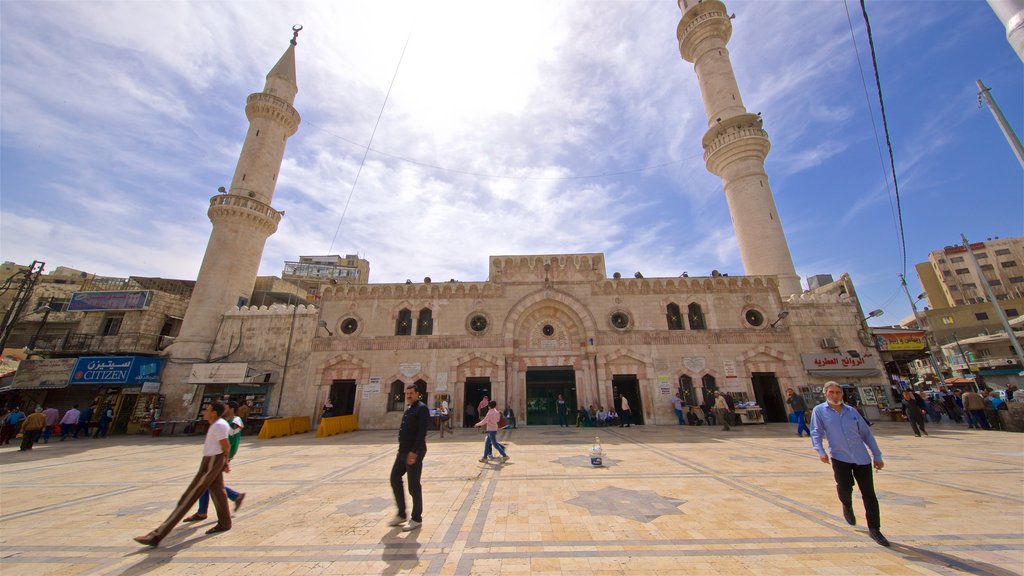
242	220
735	145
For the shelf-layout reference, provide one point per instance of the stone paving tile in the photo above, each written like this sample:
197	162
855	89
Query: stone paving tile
669	501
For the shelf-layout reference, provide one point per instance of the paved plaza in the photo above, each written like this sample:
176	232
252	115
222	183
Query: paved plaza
669	500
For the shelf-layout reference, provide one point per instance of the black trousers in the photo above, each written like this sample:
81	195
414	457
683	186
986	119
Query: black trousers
415	488
845	475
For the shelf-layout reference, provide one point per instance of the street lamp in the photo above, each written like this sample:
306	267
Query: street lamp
874	314
323	324
45	309
782	315
920	326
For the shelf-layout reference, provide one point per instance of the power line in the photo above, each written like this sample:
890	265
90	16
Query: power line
370	142
874	128
888	141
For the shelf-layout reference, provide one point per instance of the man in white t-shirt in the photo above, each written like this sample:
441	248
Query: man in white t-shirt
210	476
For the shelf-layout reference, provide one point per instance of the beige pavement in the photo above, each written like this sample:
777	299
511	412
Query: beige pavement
754	500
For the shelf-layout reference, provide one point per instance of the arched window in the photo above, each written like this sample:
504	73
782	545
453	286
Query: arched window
709	385
686	390
696	316
396	400
425	323
421	387
403	326
674	317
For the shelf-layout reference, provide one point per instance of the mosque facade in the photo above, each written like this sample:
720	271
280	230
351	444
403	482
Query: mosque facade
538	326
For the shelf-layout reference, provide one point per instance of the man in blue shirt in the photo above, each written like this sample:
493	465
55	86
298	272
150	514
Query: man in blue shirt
847	433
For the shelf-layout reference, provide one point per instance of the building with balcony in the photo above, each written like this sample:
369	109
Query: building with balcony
313	272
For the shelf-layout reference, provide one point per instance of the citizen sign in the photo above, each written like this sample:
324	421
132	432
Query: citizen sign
104	372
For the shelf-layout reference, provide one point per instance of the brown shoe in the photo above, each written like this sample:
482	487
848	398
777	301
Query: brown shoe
195	518
218	528
238	500
148	540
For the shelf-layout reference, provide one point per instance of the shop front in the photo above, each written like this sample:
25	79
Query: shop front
126	384
233	381
859	375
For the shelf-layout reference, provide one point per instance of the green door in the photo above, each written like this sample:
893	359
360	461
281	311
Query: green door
542	389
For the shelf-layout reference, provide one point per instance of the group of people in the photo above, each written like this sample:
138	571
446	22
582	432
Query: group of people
42	424
594	416
597	417
845	431
957	405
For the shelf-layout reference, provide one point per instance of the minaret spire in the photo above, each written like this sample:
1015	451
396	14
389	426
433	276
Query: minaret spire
735	144
242	220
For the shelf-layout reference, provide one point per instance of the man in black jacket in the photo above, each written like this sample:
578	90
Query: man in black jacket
412	447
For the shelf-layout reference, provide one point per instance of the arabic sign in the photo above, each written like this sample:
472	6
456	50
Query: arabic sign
134	370
110	300
218	373
49	373
905	341
839	365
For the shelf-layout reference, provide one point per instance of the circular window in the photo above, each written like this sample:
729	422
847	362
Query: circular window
620	320
548	329
478	323
753	317
349	325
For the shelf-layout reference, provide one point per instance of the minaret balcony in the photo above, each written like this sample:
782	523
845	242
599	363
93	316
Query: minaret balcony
234	207
263	105
737	137
707	20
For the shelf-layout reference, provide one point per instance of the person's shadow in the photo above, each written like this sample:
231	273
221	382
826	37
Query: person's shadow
950	561
400	547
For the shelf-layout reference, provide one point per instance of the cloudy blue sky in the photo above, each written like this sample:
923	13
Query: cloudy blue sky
511	128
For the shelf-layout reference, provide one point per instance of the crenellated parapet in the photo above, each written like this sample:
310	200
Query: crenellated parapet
274	310
224	207
414	291
689	285
547	268
268	106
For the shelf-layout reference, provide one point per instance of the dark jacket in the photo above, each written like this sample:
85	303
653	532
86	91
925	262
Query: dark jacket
412	435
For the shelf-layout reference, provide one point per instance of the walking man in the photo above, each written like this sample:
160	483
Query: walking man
490	423
412	447
106	415
796	402
722	410
51	414
914	413
69	422
847	433
563	411
209	477
974	405
83	421
625	413
234	441
677	405
31	427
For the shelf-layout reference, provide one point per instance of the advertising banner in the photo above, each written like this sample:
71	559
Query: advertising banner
39	374
132	370
110	300
896	342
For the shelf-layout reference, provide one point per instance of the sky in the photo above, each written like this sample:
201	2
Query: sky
496	128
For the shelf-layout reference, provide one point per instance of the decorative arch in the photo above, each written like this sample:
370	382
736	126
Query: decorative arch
571	310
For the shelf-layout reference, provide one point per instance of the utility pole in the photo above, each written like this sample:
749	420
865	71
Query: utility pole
995	303
984	92
25	287
920	326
